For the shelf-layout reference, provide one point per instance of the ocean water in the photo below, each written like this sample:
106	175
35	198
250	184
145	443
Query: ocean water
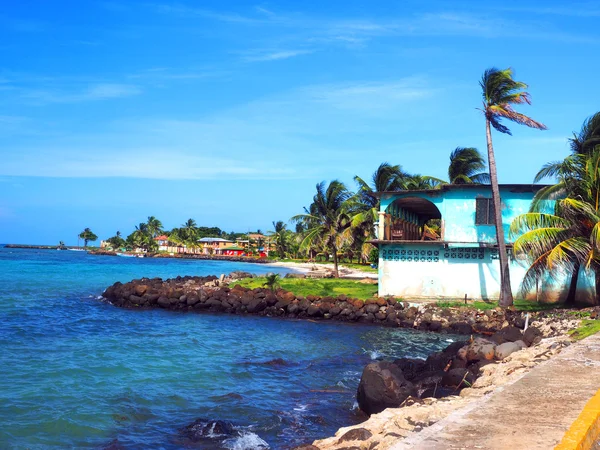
76	372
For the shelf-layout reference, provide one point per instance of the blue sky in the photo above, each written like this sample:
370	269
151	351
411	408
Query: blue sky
231	112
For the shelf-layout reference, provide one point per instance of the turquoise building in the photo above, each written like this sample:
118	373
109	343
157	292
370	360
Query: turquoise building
462	258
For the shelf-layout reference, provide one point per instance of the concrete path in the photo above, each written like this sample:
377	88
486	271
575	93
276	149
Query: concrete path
533	413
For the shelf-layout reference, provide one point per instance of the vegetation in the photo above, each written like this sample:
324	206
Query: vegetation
586	329
87	235
500	92
272	281
327	219
467	166
519	305
320	287
567	239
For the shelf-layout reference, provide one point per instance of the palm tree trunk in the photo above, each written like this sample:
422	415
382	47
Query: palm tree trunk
506	297
335	262
570	300
597	279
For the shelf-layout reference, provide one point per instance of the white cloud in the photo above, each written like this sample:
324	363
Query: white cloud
99	91
275	55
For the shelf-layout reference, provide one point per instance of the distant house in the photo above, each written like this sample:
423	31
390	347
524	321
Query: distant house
215	246
261	243
461	259
163	242
233	251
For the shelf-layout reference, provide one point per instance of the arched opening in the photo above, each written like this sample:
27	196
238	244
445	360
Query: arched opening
413	219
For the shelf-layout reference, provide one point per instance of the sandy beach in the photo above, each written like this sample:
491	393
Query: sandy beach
345	272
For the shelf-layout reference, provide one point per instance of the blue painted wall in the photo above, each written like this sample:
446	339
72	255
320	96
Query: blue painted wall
457	207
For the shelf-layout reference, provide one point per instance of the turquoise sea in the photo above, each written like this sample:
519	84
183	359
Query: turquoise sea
76	372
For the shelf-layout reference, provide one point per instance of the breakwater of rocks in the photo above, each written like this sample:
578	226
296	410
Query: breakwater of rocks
212	294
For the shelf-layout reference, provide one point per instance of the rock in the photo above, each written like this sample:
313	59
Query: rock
382	385
458	378
511	334
238	275
305	446
532	336
521	344
202	429
480	349
504	350
462	328
257	305
294	275
163	302
356	434
140	289
410	367
313	311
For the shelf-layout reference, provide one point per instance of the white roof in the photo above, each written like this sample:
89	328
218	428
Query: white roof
209	239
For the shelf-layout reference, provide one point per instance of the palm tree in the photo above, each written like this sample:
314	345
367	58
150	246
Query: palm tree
588	137
327	219
272	281
467	166
280	235
153	226
190	230
87	235
419	182
560	243
500	92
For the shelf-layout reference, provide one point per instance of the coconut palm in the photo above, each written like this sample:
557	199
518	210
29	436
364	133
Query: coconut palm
190	230
153	226
419	182
588	137
500	92
87	235
560	243
467	166
327	219
280	237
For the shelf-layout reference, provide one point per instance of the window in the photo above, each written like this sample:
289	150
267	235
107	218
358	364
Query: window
484	211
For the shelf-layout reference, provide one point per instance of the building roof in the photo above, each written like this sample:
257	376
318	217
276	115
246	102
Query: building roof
211	239
162	237
454	187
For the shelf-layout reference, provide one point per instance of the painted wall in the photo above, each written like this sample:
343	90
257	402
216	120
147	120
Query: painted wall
457	207
433	271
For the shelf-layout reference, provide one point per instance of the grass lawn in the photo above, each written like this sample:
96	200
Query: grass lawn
587	328
320	287
520	305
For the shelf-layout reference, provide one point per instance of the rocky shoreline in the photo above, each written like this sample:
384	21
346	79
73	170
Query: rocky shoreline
212	294
402	395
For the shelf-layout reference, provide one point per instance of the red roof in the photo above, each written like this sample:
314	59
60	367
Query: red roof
161	238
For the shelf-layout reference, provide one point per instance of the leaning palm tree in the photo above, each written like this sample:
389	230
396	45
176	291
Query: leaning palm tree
467	166
500	92
87	235
327	219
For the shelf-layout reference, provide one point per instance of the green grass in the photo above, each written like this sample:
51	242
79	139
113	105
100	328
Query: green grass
322	287
520	305
587	328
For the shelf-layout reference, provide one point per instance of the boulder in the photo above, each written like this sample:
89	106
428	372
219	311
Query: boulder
203	429
462	328
163	302
314	311
256	305
504	350
382	385
372	308
356	434
480	349
458	378
532	336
